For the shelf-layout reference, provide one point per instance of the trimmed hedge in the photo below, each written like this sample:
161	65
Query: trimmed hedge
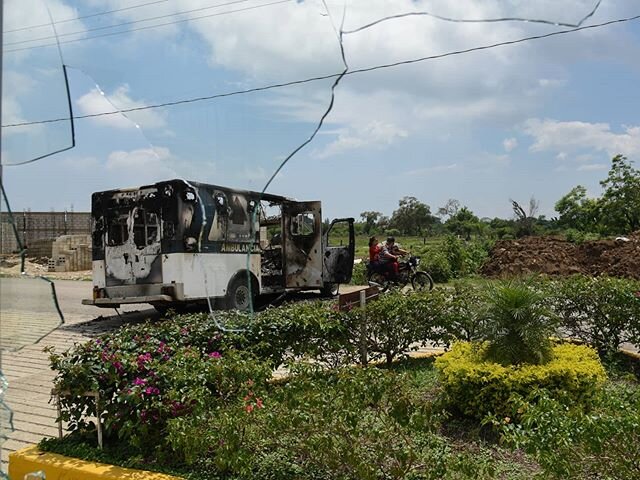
476	387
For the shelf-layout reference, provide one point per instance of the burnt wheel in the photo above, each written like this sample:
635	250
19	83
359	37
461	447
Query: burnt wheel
422	281
239	296
329	289
377	279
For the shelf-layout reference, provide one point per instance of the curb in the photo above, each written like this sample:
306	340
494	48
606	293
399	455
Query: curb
58	467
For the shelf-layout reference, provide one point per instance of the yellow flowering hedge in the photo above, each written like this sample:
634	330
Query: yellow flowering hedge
476	387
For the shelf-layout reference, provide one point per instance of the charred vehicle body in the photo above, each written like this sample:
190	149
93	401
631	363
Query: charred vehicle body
178	242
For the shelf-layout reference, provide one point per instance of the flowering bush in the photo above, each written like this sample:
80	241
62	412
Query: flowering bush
147	374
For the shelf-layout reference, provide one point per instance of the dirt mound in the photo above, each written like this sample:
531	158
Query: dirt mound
556	256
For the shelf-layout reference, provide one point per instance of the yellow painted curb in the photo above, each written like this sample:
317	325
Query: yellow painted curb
59	467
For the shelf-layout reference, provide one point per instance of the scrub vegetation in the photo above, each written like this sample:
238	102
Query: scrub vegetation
184	396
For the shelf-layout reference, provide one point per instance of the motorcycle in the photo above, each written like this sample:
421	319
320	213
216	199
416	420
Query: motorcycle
408	273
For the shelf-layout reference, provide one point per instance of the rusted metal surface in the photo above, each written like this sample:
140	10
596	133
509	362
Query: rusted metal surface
337	260
302	238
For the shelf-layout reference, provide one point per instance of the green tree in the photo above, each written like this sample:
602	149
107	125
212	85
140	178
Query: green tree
620	203
370	219
412	216
577	211
464	223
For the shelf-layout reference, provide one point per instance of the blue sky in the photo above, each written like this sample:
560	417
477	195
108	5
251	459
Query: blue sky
531	119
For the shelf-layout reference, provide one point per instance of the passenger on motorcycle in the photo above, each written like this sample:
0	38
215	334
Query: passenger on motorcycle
374	251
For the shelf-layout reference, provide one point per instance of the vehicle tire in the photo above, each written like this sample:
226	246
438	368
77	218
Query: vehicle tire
377	279
239	297
329	289
422	281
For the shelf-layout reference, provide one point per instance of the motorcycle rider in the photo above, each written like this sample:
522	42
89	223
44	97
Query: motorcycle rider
388	257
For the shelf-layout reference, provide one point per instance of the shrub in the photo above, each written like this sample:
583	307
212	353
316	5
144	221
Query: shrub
476	254
570	443
577	236
359	275
315	330
397	323
348	423
518	324
476	387
601	311
463	315
455	254
436	263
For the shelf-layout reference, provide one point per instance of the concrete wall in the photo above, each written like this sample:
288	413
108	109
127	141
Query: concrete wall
71	253
39	226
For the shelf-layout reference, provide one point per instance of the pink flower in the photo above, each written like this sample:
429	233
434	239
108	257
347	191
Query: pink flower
249	408
215	355
259	403
139	381
144	358
118	366
152	390
176	408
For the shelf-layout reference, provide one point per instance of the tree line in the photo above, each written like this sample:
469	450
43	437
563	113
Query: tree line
615	212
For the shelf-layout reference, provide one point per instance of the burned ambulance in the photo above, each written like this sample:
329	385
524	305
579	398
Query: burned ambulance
178	242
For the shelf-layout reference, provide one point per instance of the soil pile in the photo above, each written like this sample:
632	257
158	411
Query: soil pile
556	256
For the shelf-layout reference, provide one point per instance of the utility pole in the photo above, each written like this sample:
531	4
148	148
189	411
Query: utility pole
1	199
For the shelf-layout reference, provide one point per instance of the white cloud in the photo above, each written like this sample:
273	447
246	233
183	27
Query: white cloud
16	86
373	134
551	82
95	102
575	136
141	166
429	98
23	13
509	144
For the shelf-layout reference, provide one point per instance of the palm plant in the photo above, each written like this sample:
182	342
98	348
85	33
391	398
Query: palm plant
518	324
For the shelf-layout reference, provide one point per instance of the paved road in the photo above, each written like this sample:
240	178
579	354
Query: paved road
28	314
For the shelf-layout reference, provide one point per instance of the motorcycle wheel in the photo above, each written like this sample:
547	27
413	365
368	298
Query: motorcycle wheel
378	280
422	281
